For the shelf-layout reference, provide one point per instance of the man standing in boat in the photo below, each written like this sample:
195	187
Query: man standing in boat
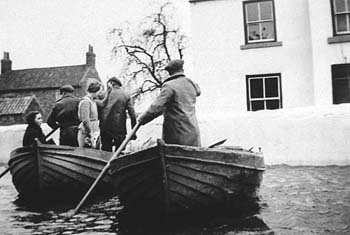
176	102
113	115
64	115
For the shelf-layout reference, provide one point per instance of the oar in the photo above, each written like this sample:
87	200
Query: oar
47	136
104	170
5	171
50	133
217	143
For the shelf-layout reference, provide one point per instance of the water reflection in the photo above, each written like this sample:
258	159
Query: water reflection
294	200
108	216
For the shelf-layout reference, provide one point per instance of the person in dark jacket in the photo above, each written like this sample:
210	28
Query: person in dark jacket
113	116
33	131
64	115
176	101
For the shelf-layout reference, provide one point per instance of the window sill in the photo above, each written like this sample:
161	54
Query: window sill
338	39
260	45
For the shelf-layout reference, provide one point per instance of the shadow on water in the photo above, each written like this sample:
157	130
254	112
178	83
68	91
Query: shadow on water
146	221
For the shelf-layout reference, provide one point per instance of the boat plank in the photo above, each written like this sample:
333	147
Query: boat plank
246	159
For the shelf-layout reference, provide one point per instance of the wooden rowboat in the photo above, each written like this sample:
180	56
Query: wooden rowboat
175	179
61	172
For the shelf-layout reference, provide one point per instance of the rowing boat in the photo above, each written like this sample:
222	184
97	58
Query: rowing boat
175	179
61	172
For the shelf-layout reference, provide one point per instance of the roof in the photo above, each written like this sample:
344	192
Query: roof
16	105
52	77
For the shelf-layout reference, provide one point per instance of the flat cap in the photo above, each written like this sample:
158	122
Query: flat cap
67	88
116	80
174	65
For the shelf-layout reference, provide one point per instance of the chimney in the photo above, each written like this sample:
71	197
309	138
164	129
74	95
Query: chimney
6	63
90	57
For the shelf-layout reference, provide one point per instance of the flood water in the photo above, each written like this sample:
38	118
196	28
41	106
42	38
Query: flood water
294	200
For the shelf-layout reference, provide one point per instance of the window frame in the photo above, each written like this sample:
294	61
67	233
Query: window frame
333	13
264	76
246	36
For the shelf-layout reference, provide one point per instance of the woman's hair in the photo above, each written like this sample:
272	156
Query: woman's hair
94	87
31	116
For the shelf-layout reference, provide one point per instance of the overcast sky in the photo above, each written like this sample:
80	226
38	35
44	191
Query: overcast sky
45	33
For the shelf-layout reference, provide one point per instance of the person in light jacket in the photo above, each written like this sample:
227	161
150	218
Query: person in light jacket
176	101
114	109
89	130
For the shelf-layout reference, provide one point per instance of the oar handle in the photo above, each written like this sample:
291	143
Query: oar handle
115	155
125	142
4	173
50	133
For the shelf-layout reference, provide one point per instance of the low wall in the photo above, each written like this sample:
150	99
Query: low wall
300	136
11	138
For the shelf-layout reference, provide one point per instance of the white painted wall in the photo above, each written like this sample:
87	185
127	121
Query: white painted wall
220	66
11	137
324	54
315	135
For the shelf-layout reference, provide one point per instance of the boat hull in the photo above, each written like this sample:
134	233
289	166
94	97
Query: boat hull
57	171
176	179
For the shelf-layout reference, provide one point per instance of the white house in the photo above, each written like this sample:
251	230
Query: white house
271	54
292	56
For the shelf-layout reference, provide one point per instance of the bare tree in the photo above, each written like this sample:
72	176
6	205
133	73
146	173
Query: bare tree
146	49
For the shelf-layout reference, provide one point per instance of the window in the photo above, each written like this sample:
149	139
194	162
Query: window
259	21
341	83
264	92
341	16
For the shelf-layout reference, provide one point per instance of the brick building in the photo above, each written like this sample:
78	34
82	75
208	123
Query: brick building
44	83
14	110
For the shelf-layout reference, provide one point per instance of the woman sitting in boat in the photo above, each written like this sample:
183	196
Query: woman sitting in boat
89	130
33	131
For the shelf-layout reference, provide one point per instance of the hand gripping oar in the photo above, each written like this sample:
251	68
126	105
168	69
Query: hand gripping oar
47	136
103	172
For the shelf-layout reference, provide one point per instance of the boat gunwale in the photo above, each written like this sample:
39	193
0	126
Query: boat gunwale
215	162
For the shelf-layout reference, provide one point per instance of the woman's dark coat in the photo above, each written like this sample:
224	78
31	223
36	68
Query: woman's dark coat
33	131
113	113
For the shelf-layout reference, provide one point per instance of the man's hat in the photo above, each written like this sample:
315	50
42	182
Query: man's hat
116	80
66	88
174	65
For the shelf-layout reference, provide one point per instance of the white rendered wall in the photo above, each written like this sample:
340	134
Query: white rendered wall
220	66
11	137
324	54
317	135
296	136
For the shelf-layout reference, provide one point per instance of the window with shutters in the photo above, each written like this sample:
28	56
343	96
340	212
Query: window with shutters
264	92
341	83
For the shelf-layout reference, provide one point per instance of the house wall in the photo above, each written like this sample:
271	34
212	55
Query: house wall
12	119
220	66
324	54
